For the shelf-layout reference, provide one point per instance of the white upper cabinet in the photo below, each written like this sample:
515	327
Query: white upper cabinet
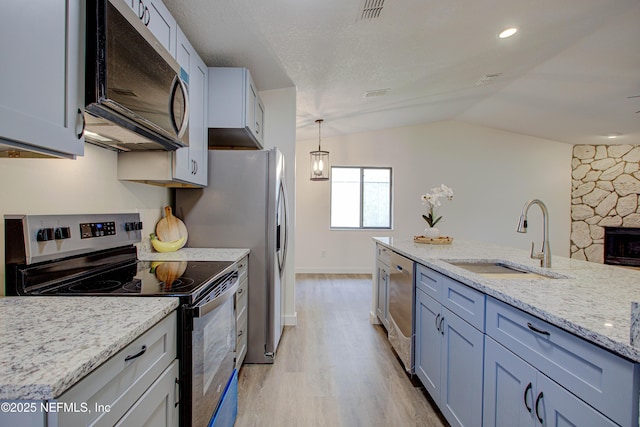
155	15
236	112
190	163
42	85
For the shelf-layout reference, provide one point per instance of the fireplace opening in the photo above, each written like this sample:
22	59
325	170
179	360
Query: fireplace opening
622	246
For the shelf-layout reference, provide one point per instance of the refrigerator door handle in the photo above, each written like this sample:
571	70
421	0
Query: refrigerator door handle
282	246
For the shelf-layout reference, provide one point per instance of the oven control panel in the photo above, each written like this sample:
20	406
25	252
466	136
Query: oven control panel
38	238
97	229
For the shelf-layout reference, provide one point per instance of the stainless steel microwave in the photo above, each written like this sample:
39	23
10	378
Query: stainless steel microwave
136	93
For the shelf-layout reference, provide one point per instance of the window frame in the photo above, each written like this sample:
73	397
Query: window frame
362	169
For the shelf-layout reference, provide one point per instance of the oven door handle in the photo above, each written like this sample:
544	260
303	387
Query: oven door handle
202	310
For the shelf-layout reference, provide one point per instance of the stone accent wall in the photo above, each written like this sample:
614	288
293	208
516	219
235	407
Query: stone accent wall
605	192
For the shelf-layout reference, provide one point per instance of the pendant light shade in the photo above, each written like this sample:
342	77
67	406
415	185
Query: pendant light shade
319	160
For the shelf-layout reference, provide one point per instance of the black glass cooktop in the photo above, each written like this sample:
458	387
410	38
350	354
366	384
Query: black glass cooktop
176	278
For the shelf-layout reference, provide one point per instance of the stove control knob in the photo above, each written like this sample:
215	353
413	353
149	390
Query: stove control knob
131	226
62	233
44	234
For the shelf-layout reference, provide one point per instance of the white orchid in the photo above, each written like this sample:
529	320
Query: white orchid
433	200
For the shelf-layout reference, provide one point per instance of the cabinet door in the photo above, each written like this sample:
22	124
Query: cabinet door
556	407
250	103
461	371
428	343
383	285
259	119
158	405
190	163
509	388
42	85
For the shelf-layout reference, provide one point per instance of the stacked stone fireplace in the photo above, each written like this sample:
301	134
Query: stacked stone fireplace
605	192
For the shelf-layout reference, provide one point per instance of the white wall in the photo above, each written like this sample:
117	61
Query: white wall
280	131
492	172
85	185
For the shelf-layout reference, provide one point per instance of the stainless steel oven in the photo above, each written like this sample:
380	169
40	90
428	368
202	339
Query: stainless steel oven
80	255
211	349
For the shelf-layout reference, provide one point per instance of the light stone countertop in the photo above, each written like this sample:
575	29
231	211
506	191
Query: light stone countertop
47	344
590	300
192	254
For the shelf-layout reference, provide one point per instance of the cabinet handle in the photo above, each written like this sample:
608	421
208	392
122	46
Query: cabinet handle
240	333
84	124
526	391
177	384
437	319
540	331
440	328
240	291
538	399
138	354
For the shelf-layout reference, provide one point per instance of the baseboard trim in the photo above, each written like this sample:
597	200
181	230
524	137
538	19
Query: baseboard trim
291	320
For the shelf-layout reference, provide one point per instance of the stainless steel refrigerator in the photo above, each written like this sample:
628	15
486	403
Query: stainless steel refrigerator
245	206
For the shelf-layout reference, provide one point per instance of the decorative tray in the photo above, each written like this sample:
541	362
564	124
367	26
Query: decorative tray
442	240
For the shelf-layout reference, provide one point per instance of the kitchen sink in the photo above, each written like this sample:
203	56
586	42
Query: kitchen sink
499	270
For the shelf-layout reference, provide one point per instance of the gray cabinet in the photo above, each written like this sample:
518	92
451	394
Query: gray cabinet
134	383
42	85
236	112
155	15
136	386
449	347
191	162
517	394
241	299
581	377
382	284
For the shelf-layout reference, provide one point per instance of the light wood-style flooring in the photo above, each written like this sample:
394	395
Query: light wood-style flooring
334	368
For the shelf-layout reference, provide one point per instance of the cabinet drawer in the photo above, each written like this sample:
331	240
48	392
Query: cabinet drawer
241	339
243	268
118	383
384	255
241	298
157	407
464	301
429	281
605	381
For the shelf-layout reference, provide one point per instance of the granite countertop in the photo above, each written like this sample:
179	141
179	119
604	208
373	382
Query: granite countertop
50	343
192	254
590	300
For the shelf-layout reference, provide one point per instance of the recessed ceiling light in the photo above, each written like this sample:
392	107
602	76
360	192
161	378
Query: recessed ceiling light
508	32
614	135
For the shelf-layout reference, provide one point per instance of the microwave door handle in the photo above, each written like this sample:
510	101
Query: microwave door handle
202	310
178	83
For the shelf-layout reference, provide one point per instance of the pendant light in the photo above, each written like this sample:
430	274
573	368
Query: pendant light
319	160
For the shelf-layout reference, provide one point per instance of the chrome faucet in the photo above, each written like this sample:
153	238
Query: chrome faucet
545	255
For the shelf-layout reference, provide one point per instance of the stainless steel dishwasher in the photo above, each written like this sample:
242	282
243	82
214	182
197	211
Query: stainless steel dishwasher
401	309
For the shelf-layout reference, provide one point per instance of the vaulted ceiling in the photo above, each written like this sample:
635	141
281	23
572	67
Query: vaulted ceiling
571	73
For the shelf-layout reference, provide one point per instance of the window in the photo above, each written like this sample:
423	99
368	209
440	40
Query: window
360	197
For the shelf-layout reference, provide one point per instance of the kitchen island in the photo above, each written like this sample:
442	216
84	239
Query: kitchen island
50	343
590	300
497	339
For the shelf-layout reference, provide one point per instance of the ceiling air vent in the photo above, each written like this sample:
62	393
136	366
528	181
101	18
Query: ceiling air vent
370	10
375	93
